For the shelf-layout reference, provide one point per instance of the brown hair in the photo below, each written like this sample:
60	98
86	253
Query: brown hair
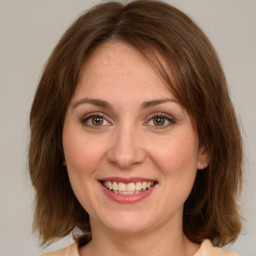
172	43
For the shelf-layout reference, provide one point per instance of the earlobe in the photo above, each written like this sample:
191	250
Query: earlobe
203	158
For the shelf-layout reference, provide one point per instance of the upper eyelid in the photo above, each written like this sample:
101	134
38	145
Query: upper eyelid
160	114
83	117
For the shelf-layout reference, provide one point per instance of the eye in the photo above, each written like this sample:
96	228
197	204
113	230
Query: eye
160	121
95	120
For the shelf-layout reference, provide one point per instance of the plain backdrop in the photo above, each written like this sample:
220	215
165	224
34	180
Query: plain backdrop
29	29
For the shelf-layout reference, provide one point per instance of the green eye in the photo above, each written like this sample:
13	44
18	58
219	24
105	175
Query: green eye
159	121
97	121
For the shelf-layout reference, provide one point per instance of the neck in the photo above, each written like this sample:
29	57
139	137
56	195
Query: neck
167	240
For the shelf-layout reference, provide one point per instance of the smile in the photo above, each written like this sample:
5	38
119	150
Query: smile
129	188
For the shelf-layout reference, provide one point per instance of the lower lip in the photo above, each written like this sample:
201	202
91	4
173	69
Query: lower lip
127	199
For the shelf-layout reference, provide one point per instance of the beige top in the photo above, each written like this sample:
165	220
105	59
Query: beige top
206	249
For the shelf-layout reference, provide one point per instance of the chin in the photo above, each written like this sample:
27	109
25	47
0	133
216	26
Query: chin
128	223
129	228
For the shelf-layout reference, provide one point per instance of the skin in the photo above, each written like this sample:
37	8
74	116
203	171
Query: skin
126	144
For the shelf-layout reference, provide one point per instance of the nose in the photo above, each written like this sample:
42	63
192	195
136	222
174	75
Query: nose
126	148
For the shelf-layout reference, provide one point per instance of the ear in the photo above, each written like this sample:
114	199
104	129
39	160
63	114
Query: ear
203	158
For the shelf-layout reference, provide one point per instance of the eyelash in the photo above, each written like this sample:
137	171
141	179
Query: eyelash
85	119
164	116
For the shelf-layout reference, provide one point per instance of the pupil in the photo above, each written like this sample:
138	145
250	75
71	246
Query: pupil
158	121
97	121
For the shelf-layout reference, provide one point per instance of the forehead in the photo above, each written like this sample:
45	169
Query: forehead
118	67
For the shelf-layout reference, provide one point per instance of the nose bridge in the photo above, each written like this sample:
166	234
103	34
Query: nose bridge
126	148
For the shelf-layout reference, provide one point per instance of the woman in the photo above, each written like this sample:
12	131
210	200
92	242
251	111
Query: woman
135	147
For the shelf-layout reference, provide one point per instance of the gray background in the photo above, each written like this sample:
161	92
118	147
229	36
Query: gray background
29	29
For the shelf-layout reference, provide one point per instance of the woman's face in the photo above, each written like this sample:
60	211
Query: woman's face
130	148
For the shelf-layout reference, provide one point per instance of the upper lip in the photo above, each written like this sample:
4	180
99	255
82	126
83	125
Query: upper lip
127	180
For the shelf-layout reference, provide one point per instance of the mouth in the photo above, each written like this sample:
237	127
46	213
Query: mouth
128	188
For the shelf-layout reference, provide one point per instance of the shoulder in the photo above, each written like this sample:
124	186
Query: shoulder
71	250
207	249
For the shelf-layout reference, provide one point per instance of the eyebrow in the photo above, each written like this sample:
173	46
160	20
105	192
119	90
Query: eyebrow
152	103
95	102
105	104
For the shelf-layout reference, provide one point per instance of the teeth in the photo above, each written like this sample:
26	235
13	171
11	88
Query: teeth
121	187
128	189
114	187
131	187
110	185
138	186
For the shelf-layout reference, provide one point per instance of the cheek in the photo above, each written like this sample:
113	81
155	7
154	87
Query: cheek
175	155
82	155
176	160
